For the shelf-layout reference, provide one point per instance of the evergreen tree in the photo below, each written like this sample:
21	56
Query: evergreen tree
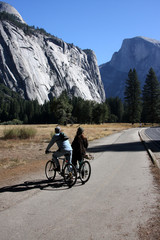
77	111
132	97
151	98
100	113
63	109
82	110
116	109
14	109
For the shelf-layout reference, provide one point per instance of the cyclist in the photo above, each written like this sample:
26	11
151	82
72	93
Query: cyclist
64	147
79	145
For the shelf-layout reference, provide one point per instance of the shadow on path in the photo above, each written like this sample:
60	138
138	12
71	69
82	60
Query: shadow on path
39	184
118	147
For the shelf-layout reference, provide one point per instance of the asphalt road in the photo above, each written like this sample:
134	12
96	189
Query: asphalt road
154	134
118	199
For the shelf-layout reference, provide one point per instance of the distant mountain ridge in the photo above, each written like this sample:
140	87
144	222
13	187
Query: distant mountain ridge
40	66
140	53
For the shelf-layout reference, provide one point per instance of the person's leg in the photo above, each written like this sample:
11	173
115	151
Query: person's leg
74	161
80	161
55	156
68	155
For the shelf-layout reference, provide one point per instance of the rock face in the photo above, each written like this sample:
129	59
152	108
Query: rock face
140	53
5	7
40	66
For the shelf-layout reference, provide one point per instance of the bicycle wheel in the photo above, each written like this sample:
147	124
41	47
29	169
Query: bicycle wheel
70	174
50	170
85	171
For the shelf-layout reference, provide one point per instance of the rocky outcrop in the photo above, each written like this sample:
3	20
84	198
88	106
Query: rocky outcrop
5	7
40	66
140	53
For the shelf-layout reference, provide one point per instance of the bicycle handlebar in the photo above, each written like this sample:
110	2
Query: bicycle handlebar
50	152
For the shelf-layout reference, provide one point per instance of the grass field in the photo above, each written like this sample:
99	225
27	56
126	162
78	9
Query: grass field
43	132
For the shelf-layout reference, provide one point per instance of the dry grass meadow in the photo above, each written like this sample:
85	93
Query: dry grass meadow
20	156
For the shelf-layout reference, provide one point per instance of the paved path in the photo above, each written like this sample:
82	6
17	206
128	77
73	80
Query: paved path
119	198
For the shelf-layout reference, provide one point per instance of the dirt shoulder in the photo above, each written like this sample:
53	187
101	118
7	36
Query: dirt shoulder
151	229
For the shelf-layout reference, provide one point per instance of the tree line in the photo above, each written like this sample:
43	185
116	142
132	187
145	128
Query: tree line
60	110
142	105
138	106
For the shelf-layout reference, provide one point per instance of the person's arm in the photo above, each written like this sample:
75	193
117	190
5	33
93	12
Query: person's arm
53	140
85	142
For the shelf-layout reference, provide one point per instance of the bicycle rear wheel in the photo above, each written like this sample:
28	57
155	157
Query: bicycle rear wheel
70	174
85	171
50	170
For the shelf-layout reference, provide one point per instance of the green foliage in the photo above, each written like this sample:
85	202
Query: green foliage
100	113
116	109
151	98
21	133
13	122
12	106
10	17
82	110
132	97
63	109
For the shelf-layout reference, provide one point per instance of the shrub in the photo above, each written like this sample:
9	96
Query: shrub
19	133
10	133
27	133
13	122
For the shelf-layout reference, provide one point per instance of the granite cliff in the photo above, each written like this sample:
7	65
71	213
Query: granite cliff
39	66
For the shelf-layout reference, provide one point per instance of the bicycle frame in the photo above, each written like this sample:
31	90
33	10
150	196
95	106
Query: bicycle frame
67	171
64	162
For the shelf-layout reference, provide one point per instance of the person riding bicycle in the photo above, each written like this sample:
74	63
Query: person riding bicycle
79	145
64	147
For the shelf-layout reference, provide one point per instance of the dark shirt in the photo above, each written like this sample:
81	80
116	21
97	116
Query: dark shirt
79	145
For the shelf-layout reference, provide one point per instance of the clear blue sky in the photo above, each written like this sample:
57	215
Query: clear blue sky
100	25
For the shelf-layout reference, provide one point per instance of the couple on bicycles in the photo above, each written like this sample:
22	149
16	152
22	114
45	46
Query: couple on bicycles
73	152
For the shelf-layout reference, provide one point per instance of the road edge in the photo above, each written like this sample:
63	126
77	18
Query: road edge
148	143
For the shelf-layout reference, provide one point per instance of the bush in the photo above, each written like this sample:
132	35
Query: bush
19	133
13	122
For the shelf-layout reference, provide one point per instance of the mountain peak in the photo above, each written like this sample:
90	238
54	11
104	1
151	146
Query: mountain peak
150	40
5	7
140	53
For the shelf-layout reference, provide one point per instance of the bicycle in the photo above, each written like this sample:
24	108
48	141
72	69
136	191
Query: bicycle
67	171
84	169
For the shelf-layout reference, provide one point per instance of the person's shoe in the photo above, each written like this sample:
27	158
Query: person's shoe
69	177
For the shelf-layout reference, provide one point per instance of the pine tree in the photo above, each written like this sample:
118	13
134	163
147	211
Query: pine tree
100	113
63	109
151	98
132	97
116	109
